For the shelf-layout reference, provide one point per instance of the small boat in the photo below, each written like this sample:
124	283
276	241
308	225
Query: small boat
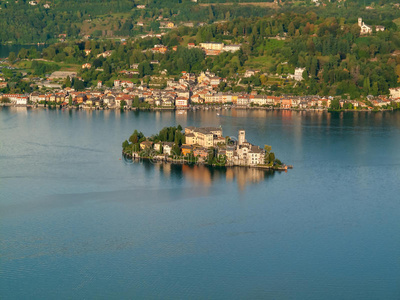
217	114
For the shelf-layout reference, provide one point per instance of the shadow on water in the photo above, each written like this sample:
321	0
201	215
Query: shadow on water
205	176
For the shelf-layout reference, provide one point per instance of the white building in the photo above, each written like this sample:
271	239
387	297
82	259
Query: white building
212	46
258	100
246	153
250	73
366	29
298	74
241	137
231	48
182	102
22	100
394	93
243	100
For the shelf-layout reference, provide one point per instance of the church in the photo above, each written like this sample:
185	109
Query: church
366	29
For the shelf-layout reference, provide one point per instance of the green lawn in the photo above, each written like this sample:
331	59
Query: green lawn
27	65
260	62
397	21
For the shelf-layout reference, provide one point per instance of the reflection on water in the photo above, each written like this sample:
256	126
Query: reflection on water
76	222
205	176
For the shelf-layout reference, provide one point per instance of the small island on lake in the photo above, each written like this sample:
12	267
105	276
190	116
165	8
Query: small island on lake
200	145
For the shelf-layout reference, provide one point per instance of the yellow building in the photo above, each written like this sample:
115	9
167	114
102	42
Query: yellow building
212	46
202	136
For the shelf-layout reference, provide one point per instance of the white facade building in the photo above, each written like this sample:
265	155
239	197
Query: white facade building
366	29
395	93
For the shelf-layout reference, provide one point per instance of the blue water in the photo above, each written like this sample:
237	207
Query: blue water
78	221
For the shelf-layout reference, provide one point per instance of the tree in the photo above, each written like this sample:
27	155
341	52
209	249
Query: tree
134	138
12	57
271	157
107	68
267	148
97	63
267	152
335	104
176	150
211	155
5	100
136	147
144	68
67	82
136	102
79	85
291	29
23	53
305	75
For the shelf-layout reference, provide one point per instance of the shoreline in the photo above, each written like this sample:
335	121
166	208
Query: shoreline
182	161
191	108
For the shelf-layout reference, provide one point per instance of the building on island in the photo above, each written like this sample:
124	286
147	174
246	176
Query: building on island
238	152
202	136
244	153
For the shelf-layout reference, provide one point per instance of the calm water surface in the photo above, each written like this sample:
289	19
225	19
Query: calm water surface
77	221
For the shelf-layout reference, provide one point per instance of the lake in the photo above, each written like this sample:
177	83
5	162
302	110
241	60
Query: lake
79	221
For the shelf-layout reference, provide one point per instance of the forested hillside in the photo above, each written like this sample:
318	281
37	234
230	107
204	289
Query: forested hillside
338	60
24	23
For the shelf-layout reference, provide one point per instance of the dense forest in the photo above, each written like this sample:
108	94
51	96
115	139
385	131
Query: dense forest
24	23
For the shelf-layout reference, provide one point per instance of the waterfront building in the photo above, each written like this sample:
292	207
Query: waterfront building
204	136
167	148
394	93
146	145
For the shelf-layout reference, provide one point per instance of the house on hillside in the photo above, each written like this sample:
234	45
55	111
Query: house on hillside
366	29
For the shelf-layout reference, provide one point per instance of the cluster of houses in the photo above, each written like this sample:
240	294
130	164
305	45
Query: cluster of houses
190	90
199	141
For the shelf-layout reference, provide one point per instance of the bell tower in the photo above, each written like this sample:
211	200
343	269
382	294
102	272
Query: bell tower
242	137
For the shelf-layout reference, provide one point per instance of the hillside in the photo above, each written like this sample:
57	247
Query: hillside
49	21
332	54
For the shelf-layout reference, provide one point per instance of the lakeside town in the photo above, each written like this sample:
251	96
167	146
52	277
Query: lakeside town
190	91
200	145
153	84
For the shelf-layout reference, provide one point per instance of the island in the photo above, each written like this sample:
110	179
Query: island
200	145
